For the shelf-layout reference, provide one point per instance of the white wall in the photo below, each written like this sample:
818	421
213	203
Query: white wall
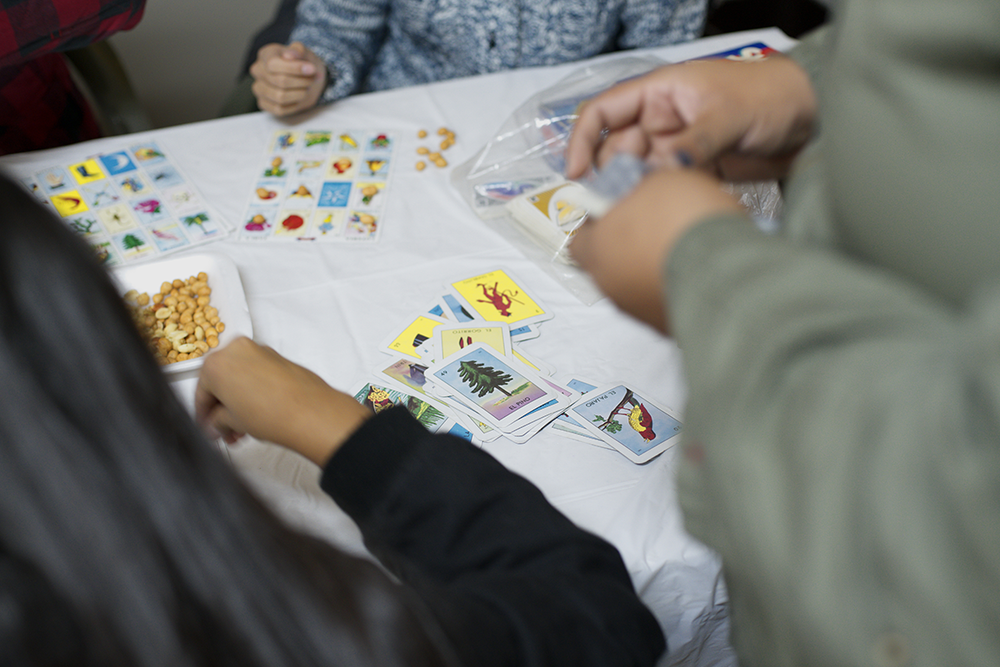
183	57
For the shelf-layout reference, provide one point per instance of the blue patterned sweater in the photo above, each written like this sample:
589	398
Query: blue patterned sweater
379	44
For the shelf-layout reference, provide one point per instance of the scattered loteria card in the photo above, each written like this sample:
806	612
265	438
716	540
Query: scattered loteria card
530	361
569	427
408	375
496	296
379	398
457	310
628	421
524	332
415	334
500	391
450	338
437	309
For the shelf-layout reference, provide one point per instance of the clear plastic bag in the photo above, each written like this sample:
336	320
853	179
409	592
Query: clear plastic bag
515	183
525	159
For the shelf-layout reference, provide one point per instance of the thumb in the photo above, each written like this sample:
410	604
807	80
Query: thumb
218	424
294	51
298	51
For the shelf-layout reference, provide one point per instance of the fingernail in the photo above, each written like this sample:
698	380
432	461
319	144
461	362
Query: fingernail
308	68
684	158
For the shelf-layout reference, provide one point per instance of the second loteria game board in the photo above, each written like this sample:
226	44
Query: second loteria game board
320	185
129	205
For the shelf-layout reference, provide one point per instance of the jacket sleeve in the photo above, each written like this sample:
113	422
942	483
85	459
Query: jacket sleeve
509	579
812	51
650	23
346	36
33	28
841	449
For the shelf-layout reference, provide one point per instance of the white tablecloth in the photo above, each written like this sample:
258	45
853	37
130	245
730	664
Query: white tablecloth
328	306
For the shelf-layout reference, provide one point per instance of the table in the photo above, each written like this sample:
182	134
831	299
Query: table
328	306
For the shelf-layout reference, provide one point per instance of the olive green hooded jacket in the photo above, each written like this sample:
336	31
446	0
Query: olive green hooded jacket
842	436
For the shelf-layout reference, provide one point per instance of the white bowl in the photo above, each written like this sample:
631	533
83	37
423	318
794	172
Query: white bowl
223	277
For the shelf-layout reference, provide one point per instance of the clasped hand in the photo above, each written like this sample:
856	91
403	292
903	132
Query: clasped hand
287	79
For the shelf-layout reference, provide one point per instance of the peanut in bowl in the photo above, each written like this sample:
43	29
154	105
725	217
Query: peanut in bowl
185	306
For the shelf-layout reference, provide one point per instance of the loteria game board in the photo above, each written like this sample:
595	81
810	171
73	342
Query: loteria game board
129	205
320	185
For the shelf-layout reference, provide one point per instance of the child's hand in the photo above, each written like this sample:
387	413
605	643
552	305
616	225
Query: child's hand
247	388
287	79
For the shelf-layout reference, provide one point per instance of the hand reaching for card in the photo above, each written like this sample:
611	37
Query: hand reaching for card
287	79
246	388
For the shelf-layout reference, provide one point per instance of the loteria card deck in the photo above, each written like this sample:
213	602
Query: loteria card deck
550	216
320	185
130	205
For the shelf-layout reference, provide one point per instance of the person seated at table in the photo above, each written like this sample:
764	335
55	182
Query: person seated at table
340	48
126	539
41	106
842	432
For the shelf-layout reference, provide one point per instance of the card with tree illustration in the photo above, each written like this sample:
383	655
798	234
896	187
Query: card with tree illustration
502	391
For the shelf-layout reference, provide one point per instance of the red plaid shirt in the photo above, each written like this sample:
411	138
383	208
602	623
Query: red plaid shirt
40	106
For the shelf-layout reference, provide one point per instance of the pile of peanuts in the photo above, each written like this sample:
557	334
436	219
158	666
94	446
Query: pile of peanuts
435	157
178	321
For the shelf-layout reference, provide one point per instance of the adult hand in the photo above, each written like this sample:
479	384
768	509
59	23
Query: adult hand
739	120
287	79
625	250
248	388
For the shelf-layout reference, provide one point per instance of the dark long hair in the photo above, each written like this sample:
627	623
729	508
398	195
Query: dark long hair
132	540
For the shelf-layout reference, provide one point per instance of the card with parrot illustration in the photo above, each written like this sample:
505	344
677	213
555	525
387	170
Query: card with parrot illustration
627	420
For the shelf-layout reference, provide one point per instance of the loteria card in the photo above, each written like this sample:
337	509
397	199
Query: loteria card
413	336
408	376
532	362
496	296
569	427
550	216
379	398
500	391
450	338
456	309
747	53
628	421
